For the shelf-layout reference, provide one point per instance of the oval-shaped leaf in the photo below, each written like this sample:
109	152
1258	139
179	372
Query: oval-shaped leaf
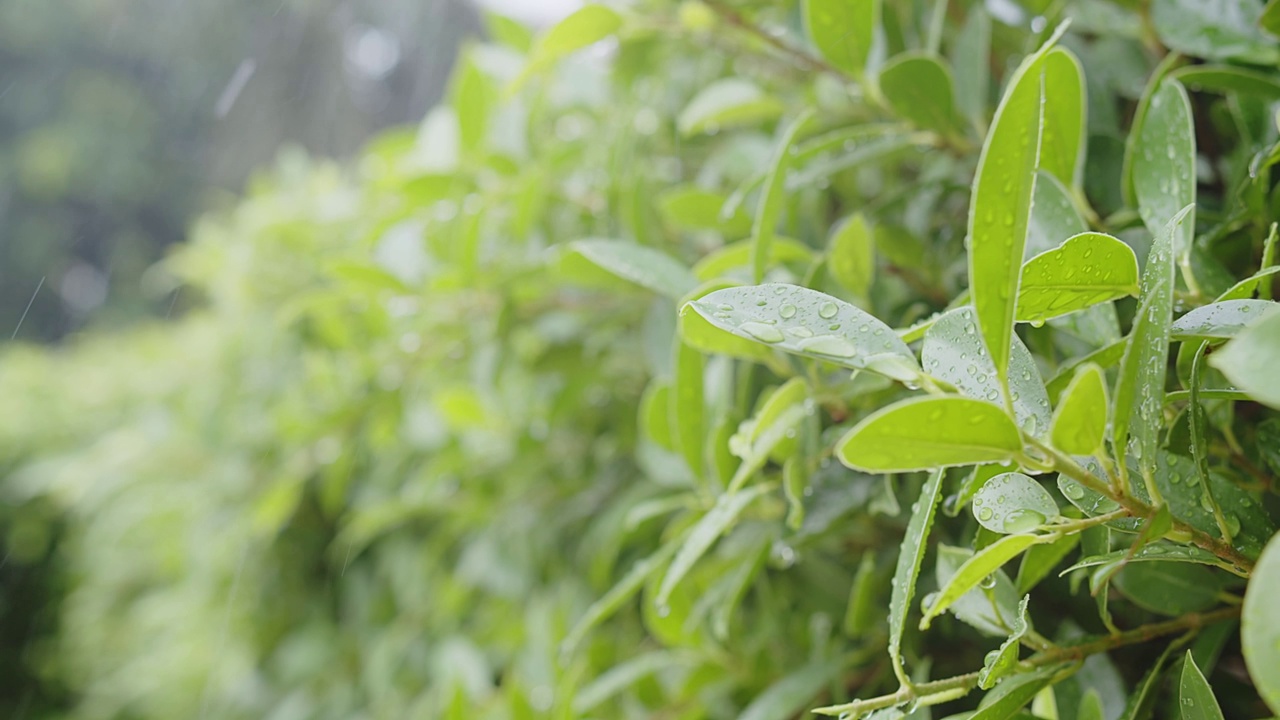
737	257
731	102
910	555
1167	588
842	30
931	432
806	322
587	26
1087	269
693	208
1012	695
1260	625
953	351
851	255
986	608
1080	423
1013	503
1164	164
1221	320
1250	361
1195	697
644	266
1062	147
975	569
1158	551
1139	403
1000	207
687	406
919	88
1214	29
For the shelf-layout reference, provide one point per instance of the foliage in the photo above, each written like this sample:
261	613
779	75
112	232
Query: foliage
680	366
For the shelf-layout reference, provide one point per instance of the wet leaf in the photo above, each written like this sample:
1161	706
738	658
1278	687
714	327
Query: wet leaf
953	351
976	569
1087	269
930	432
1228	79
1062	147
692	208
1214	29
1195	697
910	555
737	256
1054	218
851	257
1003	661
644	266
1169	588
703	534
1013	694
1013	503
1221	320
1164	165
988	607
771	198
806	322
1160	551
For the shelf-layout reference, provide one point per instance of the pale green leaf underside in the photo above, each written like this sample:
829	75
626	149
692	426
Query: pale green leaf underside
931	432
1013	503
806	322
1087	269
1221	320
953	351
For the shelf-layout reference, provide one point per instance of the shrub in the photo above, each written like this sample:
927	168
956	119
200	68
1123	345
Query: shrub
888	358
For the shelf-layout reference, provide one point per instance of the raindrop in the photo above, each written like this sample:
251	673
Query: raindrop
762	332
829	345
1023	520
828	310
787	311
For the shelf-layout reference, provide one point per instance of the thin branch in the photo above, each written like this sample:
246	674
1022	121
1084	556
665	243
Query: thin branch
800	57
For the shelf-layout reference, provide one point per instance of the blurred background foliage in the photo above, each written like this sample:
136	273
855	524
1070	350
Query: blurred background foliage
395	441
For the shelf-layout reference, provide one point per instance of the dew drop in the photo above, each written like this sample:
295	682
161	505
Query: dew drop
762	332
787	311
1023	520
829	345
828	310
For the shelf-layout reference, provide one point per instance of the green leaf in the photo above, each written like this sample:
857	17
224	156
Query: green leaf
1214	29
1003	661
727	103
1270	20
1040	560
1054	218
975	569
1164	166
656	413
1250	360
1087	269
1246	288
1000	208
1014	693
1169	588
1013	503
1091	707
1080	423
587	26
1062	147
1104	357
644	266
987	607
910	555
693	208
1195	696
1260	625
698	332
687	404
733	256
772	197
1159	551
864	598
930	432
620	677
851	257
473	98
953	351
1139	403
1228	79
970	53
806	322
789	695
760	436
1221	320
842	30
919	88
703	534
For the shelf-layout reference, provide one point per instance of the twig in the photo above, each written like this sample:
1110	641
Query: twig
735	18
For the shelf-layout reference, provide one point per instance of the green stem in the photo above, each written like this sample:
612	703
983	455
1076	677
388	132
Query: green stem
1135	507
956	686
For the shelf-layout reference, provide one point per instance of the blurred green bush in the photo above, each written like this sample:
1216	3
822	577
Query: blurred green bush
429	437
